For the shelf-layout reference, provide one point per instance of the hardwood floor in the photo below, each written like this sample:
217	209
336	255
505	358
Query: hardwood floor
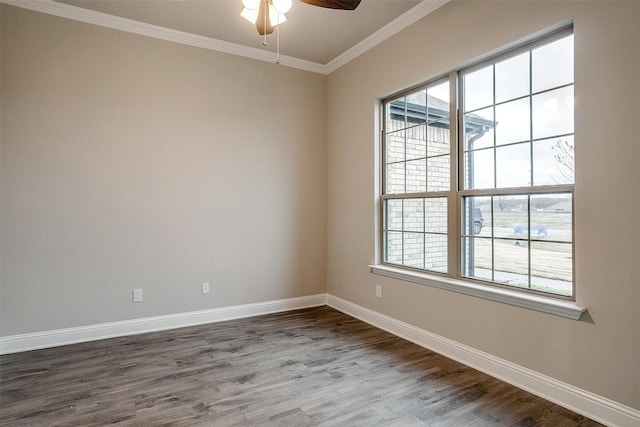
313	367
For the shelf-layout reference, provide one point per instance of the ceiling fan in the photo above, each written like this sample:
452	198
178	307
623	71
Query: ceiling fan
267	14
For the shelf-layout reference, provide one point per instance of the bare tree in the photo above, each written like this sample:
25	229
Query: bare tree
502	203
564	155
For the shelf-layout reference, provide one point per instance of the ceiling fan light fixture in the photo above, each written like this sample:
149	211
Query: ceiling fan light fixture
250	15
267	15
277	10
282	6
251	4
275	16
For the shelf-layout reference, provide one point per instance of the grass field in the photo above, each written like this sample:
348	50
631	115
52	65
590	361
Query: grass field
510	254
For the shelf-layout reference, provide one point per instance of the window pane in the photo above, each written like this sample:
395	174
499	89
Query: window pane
551	217
478	89
513	123
513	166
436	253
395	112
413	247
416	176
417	107
553	113
476	218
438	175
511	262
511	217
479	129
395	146
438	139
479	169
393	247
393	214
436	214
438	101
551	267
395	178
477	258
512	78
552	64
440	92
414	215
553	161
416	142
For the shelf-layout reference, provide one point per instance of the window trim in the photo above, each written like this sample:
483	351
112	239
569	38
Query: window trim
555	306
453	280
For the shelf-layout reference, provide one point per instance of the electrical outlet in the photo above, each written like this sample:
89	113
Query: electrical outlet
379	291
137	295
205	288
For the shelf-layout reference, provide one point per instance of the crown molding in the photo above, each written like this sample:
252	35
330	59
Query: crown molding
136	27
131	26
414	14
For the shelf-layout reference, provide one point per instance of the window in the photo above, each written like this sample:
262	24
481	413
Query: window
480	186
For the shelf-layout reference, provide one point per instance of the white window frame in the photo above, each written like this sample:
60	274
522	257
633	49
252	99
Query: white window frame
453	279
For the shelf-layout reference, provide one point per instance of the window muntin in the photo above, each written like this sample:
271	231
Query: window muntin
417	178
521	174
417	141
520	100
415	232
514	193
525	241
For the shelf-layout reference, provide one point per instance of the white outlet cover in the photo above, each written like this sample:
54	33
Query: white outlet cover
205	288
137	295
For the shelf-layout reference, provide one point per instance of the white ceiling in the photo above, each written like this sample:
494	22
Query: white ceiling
313	38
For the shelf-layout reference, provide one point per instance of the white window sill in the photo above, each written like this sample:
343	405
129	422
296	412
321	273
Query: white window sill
553	306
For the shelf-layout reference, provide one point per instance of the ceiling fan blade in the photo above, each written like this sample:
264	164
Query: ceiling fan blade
334	4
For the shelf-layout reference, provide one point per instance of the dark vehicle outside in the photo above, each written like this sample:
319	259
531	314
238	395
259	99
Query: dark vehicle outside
478	221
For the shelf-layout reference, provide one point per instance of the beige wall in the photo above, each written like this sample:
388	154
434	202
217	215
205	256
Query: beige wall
601	353
130	162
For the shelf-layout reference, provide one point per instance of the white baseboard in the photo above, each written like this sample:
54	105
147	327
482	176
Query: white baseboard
583	402
58	337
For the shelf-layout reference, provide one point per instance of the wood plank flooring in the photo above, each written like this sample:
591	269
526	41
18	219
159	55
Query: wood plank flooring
312	367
